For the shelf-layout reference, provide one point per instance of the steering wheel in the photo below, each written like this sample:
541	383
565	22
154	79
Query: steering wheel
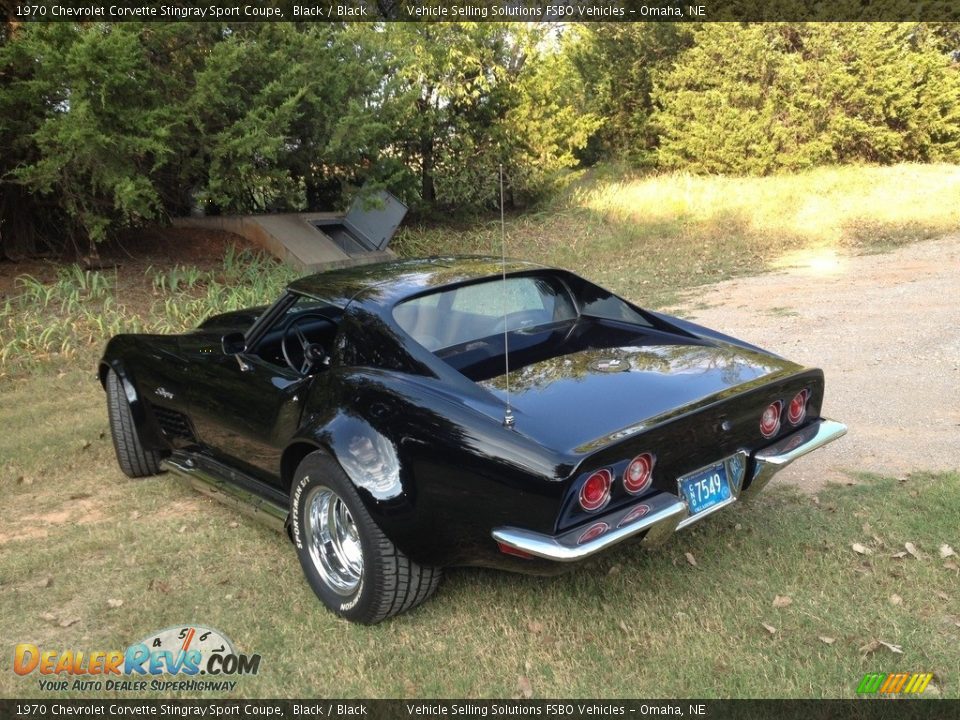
518	320
310	354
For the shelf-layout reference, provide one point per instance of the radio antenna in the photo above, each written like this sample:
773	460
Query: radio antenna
508	419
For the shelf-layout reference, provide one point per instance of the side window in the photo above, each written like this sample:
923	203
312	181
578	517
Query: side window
610	307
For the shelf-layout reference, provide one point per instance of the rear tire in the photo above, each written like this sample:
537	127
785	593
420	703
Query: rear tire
353	568
134	459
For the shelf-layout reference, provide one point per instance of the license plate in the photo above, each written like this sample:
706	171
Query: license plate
706	488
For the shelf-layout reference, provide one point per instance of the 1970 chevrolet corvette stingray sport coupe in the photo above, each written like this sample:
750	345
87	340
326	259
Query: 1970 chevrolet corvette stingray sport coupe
371	413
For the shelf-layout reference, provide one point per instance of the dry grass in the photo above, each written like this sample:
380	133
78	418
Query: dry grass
652	237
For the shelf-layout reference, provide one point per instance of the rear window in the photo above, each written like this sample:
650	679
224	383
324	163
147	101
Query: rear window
472	312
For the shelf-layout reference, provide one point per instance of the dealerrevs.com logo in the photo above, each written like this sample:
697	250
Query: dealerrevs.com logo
183	657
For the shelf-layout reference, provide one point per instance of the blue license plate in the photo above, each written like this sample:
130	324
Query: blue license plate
706	488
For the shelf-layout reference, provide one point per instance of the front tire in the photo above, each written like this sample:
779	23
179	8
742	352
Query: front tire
353	568
135	460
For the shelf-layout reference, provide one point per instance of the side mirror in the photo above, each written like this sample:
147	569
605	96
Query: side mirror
233	343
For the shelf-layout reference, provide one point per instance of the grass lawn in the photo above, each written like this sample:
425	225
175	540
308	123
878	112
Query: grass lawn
768	599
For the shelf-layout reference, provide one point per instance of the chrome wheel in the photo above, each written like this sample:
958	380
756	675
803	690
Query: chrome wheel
333	540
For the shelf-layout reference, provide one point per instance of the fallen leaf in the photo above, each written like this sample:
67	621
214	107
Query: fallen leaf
534	627
861	549
114	602
896	599
870	647
738	526
769	628
827	640
946	551
782	601
182	529
623	626
892	648
912	549
234	524
45	582
690	558
525	688
67	622
899	555
48	616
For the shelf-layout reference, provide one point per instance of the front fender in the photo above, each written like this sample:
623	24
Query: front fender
147	431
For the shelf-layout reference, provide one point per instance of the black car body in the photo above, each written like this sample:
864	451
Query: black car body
395	377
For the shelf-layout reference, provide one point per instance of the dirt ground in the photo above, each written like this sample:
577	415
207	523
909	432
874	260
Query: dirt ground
155	247
884	328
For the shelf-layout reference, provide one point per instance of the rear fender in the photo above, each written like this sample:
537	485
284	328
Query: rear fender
368	457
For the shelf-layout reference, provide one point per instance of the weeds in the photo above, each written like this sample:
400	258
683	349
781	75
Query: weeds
80	309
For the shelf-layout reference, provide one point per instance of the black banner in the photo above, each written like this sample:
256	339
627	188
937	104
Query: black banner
866	709
481	10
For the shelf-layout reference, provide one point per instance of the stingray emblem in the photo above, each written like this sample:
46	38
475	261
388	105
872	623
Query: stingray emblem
164	393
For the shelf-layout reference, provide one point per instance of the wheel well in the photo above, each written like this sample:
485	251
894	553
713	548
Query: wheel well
102	372
292	457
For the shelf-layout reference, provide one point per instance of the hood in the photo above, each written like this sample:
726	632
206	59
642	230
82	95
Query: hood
567	401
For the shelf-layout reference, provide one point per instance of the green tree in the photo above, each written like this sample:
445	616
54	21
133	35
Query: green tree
780	96
617	63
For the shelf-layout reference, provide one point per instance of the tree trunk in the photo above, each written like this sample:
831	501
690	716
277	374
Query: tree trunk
427	189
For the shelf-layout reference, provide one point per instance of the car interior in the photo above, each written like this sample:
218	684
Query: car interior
314	326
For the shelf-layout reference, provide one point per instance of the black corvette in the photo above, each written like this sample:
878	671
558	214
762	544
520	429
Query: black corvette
371	413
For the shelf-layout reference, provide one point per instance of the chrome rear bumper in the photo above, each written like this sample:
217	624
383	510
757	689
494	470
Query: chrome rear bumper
665	512
771	460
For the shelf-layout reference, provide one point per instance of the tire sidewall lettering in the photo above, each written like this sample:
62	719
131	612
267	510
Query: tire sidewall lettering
297	536
350	604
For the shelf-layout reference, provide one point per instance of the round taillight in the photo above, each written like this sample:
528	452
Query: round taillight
639	473
797	410
770	420
594	531
595	492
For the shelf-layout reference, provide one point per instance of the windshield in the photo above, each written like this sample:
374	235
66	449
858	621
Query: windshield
472	312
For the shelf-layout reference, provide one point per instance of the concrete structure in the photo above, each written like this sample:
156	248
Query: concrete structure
294	238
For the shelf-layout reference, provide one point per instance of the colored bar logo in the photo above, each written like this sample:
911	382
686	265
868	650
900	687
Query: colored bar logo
894	683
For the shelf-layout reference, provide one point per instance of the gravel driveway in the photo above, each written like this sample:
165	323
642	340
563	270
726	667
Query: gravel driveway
886	331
